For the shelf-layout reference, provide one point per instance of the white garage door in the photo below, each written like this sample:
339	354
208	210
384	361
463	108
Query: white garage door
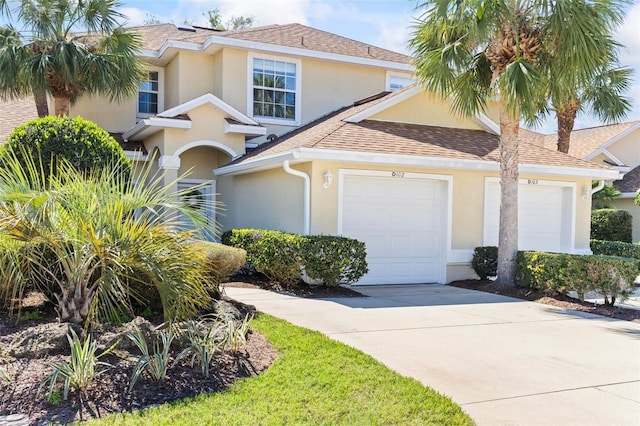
402	221
545	213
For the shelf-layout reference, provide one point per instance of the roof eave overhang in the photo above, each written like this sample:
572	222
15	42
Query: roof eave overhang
244	129
148	126
215	41
310	154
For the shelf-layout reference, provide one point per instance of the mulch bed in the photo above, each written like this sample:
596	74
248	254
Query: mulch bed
549	298
301	289
109	393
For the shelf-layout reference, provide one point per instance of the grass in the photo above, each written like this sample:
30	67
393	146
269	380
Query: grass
315	381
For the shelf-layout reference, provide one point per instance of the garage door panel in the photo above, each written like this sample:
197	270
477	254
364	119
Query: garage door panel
401	222
542	217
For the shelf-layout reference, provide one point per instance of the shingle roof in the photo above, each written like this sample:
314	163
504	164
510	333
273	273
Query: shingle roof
290	35
583	141
14	113
333	133
630	182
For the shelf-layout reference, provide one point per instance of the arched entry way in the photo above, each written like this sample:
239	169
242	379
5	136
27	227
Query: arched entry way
197	182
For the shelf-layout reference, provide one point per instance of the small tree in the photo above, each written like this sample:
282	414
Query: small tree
214	17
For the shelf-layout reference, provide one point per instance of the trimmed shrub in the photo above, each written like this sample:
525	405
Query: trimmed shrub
222	261
615	248
334	260
85	145
611	225
283	256
485	261
612	277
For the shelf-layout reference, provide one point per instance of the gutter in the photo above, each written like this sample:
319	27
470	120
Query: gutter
598	187
307	193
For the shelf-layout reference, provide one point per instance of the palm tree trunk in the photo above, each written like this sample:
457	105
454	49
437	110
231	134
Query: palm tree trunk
63	105
508	229
41	103
566	120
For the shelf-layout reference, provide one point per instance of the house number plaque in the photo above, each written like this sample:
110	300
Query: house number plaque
397	174
532	181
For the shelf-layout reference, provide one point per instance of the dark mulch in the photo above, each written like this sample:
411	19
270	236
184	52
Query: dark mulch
109	393
301	289
551	298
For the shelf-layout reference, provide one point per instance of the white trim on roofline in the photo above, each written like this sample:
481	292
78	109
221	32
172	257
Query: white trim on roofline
613	140
208	98
163	122
244	129
273	48
136	155
309	154
607	154
628	194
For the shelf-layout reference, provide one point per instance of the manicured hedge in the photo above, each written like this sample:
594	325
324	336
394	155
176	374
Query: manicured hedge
223	261
85	145
615	248
612	277
611	225
282	256
485	261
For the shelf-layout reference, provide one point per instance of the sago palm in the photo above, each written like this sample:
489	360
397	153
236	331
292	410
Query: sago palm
474	51
95	243
67	48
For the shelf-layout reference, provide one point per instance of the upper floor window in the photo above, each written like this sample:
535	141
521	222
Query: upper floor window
275	90
395	82
149	95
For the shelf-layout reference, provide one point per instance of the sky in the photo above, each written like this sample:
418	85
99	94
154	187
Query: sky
384	23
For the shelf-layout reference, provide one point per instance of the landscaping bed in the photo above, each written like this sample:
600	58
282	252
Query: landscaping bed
551	298
29	346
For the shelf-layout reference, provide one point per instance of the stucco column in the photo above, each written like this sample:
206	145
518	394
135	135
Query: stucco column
169	165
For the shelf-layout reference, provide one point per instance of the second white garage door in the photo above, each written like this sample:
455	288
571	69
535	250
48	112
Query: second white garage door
402	219
545	212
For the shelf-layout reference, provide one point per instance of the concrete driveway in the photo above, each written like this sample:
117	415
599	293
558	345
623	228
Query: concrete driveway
505	361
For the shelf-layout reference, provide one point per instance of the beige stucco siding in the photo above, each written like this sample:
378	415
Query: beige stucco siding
112	116
196	75
628	205
172	83
425	109
199	162
627	149
270	200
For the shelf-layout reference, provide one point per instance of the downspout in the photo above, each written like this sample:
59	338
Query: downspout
307	193
598	187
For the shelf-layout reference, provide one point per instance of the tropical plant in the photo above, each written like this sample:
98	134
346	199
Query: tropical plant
67	48
4	376
235	334
473	52
157	360
81	371
96	242
600	200
203	337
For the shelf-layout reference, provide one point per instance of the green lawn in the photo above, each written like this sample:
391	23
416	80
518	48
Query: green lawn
315	381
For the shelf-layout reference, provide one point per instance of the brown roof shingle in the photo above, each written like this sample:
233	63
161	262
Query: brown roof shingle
630	182
290	35
583	141
14	113
333	133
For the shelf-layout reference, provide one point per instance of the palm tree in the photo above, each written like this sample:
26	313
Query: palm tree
67	48
473	51
603	96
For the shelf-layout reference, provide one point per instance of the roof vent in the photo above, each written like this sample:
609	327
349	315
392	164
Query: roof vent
272	137
186	28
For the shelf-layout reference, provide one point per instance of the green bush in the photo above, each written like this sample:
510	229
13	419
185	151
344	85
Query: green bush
85	145
223	261
282	256
611	225
334	260
615	248
485	261
612	277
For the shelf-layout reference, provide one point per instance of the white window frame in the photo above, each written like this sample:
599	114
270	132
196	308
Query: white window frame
160	92
391	75
298	91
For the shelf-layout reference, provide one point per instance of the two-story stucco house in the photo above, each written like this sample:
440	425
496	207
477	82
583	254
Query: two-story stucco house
297	129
